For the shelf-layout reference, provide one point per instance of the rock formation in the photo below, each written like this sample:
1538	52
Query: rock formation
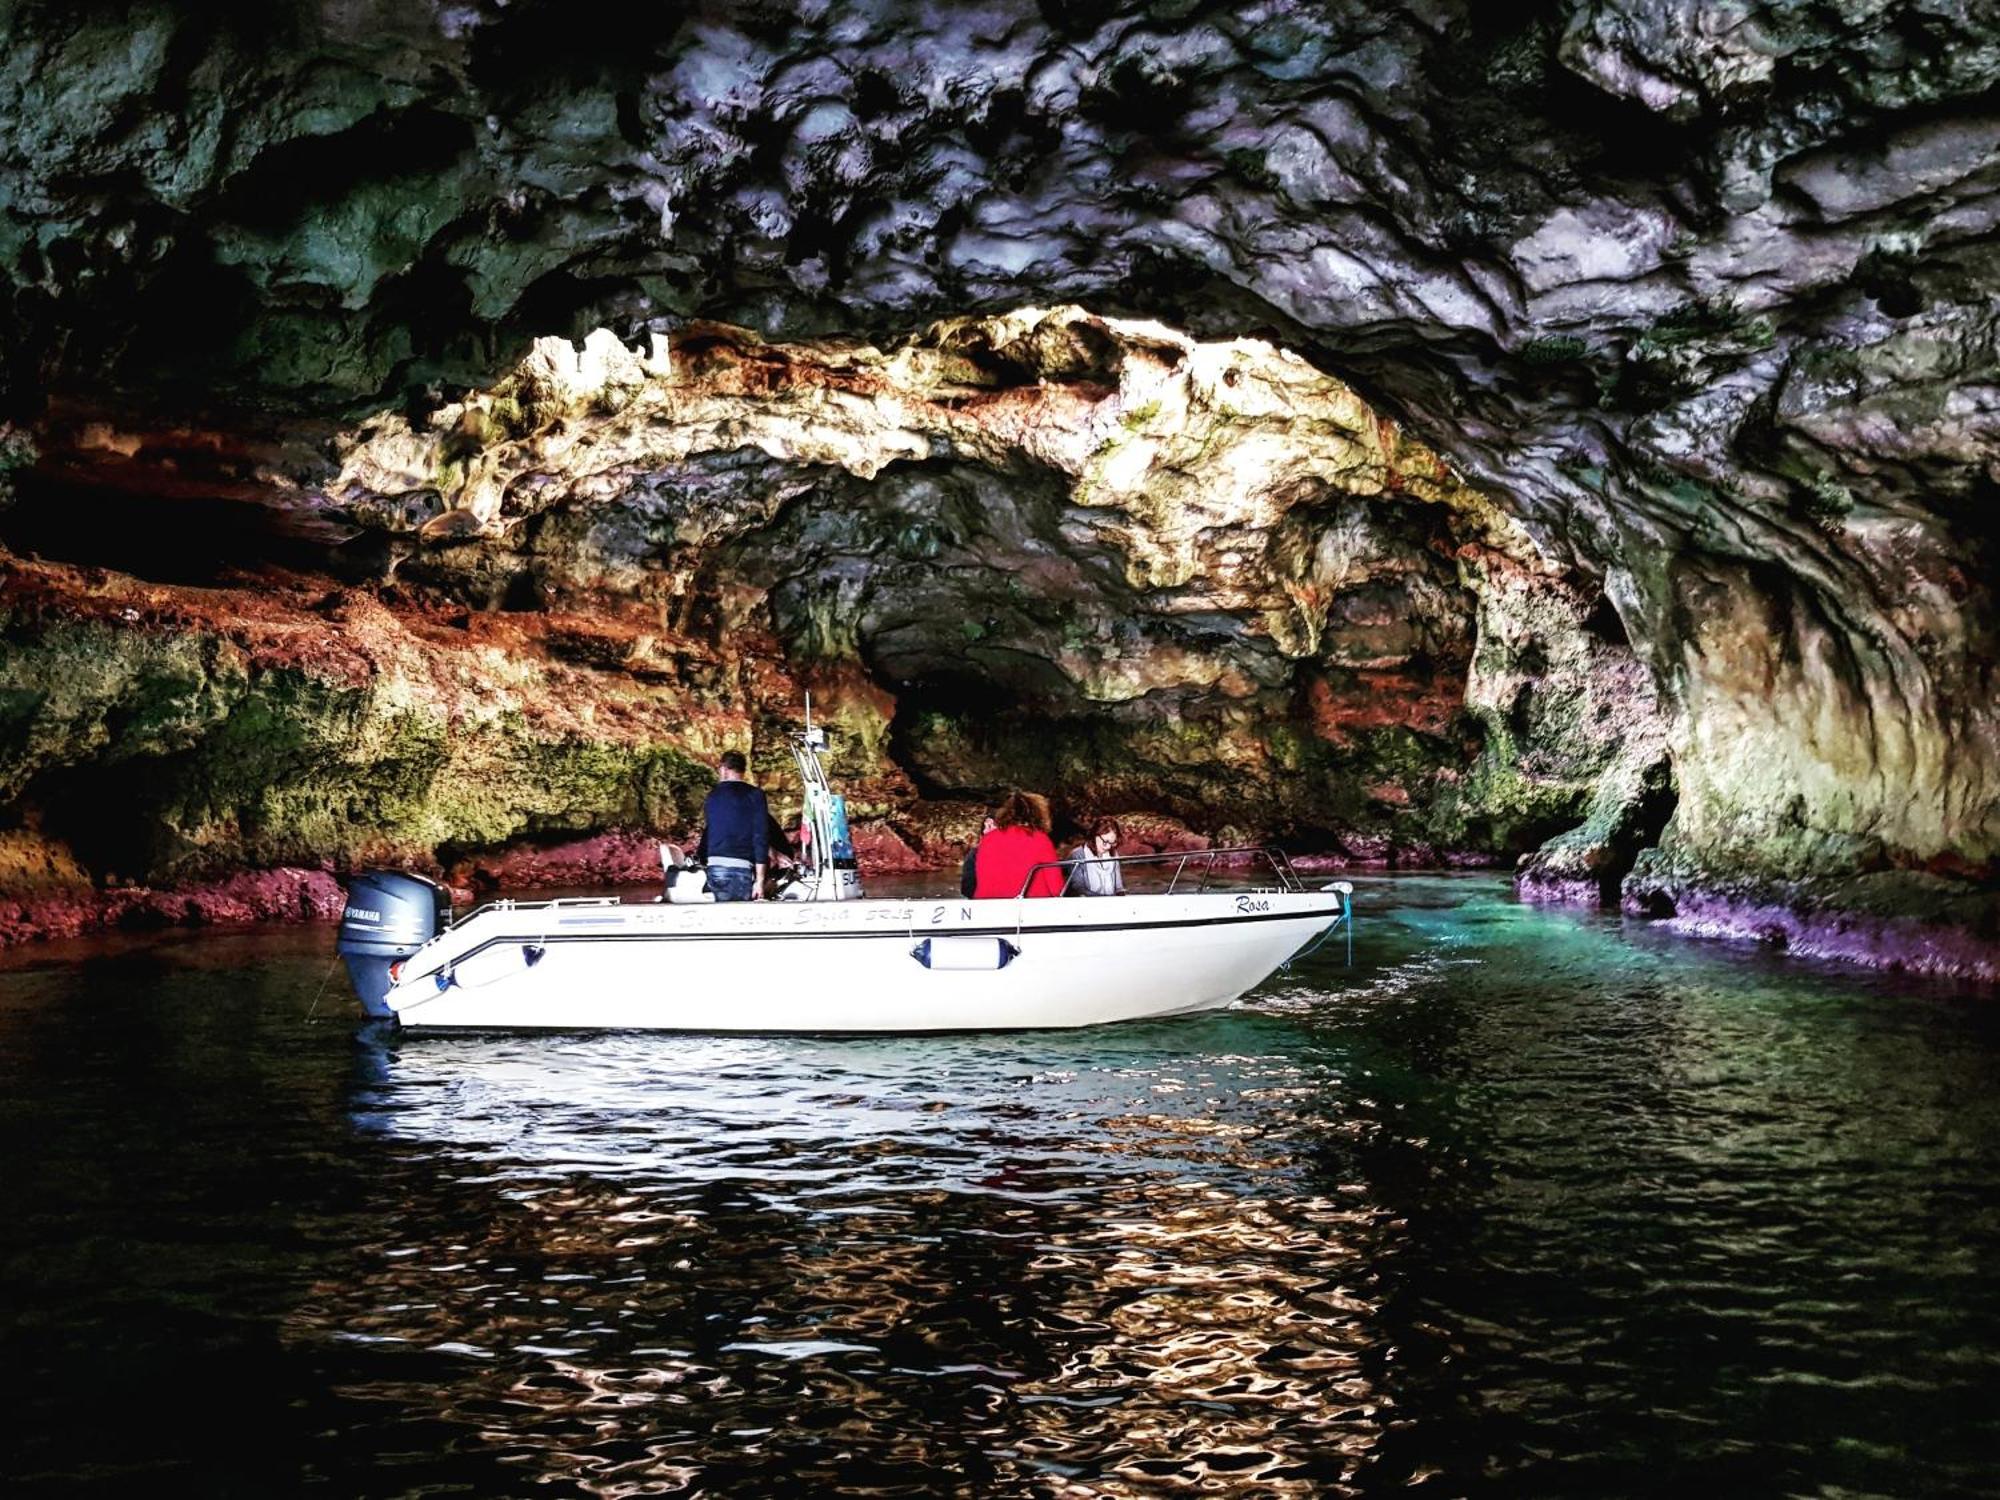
1698	302
1156	575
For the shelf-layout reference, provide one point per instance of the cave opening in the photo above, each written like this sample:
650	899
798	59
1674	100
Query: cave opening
975	716
107	817
1604	625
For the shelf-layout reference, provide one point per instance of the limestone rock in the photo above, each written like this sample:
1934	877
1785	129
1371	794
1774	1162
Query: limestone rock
1700	296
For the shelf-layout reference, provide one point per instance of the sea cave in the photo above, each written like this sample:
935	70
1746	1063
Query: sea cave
1528	473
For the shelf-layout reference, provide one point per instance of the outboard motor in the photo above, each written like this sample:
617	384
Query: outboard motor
389	916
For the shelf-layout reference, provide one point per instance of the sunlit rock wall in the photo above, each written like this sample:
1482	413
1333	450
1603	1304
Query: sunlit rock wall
1147	574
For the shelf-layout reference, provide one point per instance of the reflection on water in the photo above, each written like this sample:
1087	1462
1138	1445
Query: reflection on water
1048	1257
1526	1201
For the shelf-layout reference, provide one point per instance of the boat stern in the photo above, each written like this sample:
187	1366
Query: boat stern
388	916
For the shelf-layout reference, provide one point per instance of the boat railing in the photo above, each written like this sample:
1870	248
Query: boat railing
1199	867
506	903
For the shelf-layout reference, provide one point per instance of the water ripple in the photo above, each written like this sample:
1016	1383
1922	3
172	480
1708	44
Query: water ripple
1523	1203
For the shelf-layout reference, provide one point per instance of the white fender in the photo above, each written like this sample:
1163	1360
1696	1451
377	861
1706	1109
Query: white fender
965	953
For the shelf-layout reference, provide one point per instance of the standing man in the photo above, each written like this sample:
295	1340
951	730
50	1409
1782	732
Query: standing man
735	838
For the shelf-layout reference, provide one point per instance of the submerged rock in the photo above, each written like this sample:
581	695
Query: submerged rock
1911	920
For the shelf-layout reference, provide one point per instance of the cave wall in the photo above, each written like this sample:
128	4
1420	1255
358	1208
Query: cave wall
160	734
1197	582
1703	297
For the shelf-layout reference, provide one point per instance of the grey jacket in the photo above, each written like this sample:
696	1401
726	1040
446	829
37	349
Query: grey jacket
1091	876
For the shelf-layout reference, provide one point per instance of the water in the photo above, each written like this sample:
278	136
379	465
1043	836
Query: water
1526	1203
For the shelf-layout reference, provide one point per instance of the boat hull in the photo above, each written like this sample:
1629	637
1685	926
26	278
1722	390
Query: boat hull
863	967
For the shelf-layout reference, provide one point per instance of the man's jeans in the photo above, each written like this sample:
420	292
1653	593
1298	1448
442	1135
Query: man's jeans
730	882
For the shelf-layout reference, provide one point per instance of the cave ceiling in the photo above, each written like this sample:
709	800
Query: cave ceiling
1602	253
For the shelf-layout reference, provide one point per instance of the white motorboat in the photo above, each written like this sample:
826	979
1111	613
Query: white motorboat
863	966
830	961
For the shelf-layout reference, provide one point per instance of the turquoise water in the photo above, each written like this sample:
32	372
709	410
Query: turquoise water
1525	1202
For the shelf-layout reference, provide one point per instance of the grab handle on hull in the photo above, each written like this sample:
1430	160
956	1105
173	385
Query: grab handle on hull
965	953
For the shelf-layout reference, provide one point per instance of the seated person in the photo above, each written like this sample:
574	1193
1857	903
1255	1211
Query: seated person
968	873
1017	845
1093	866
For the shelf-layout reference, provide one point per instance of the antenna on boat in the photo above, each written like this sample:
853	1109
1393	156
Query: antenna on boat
828	845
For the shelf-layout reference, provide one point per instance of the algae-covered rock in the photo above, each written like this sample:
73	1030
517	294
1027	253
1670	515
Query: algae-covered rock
173	735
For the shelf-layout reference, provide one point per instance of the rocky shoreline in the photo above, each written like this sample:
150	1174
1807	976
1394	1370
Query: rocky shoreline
1909	923
1912	921
250	897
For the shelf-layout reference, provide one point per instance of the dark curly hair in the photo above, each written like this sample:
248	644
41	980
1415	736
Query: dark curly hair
1024	810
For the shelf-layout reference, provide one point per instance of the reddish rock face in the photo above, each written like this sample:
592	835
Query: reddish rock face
251	896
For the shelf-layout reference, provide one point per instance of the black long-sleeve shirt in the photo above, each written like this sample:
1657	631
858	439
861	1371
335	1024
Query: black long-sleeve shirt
735	824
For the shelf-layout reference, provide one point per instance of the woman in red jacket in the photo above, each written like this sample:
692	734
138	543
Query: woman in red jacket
1016	846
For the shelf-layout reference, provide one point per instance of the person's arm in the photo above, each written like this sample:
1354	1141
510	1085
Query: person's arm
760	846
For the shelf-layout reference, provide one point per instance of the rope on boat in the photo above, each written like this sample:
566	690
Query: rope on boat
1345	924
320	993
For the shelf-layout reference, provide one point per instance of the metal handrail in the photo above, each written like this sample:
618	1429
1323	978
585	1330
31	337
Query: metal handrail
507	903
1281	866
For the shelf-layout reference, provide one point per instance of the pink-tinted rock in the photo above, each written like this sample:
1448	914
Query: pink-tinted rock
284	895
1883	943
1892	919
1320	864
616	858
880	850
1544	890
1150	833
